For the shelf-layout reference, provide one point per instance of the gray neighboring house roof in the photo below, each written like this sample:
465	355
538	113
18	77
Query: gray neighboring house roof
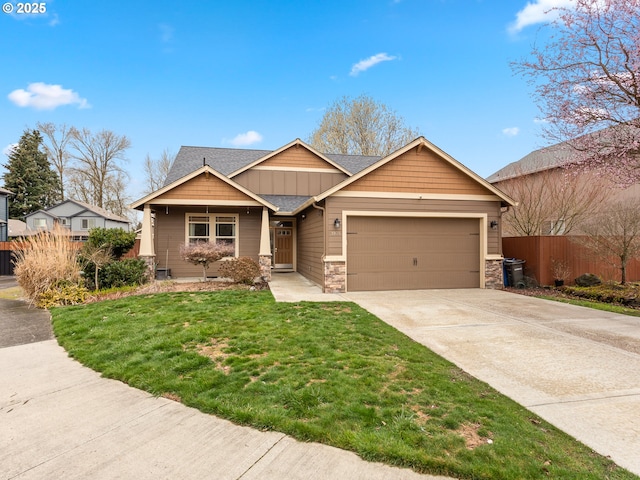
98	211
543	159
5	191
229	160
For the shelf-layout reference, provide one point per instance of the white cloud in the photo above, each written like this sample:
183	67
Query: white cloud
166	32
42	96
9	148
55	20
539	11
247	138
367	63
511	131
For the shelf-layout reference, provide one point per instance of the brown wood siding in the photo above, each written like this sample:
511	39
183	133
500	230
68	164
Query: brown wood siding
170	234
279	182
311	245
296	156
204	187
539	252
395	253
335	206
414	172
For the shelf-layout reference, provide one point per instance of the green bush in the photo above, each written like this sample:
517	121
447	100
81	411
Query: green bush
116	240
121	273
62	293
240	270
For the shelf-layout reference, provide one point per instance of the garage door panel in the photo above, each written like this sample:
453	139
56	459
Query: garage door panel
412	253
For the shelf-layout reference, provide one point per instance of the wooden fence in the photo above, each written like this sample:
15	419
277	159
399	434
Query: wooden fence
541	251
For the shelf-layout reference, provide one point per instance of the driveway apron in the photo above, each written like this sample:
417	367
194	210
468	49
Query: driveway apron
576	367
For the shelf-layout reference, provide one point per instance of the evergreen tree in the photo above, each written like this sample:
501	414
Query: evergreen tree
30	177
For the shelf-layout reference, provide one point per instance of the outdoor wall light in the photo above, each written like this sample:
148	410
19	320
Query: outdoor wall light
493	224
336	223
303	216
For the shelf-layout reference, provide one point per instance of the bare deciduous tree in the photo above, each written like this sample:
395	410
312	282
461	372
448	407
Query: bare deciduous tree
551	201
360	126
157	170
97	177
56	143
614	235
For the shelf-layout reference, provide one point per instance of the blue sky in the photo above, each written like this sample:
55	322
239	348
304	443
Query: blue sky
259	74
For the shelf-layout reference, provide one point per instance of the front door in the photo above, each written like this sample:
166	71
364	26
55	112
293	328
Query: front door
283	247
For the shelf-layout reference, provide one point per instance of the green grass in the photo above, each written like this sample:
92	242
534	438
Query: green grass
325	372
607	307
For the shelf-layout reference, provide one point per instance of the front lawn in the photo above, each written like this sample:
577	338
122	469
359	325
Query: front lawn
325	372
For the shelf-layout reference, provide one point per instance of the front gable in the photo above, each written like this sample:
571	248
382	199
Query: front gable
203	187
418	170
293	170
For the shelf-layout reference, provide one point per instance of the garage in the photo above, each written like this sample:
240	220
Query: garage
409	253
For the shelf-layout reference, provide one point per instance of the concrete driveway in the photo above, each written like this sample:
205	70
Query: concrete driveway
577	368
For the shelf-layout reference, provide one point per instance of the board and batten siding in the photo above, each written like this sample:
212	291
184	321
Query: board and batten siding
336	205
170	233
281	182
311	245
418	172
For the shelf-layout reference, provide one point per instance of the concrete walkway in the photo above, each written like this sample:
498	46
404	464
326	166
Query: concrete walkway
293	287
576	367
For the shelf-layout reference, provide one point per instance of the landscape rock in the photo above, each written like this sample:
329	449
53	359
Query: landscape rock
588	280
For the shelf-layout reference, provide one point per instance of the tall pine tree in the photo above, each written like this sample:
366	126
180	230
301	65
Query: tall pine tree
30	177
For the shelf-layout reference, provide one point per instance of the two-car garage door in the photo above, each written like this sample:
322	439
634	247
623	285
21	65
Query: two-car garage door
404	253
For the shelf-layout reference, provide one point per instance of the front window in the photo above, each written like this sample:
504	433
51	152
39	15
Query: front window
213	228
40	222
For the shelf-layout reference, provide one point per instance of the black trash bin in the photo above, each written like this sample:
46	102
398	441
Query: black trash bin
514	270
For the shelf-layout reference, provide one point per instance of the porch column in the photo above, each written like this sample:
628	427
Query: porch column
265	247
147	252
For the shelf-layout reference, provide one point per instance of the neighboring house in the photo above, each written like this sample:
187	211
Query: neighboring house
77	217
562	199
17	229
4	214
414	219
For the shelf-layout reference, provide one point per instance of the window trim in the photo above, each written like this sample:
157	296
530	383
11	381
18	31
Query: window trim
212	227
89	223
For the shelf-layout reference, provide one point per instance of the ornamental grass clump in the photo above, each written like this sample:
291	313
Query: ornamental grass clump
48	261
205	253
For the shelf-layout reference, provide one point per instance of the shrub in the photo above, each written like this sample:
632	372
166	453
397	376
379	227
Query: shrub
240	270
62	293
205	253
47	259
120	273
116	240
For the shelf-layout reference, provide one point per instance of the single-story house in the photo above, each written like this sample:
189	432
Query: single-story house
75	216
413	219
4	214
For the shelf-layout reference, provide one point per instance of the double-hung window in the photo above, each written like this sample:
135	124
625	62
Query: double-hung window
219	228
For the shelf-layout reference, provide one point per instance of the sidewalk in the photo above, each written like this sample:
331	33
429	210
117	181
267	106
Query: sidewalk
62	420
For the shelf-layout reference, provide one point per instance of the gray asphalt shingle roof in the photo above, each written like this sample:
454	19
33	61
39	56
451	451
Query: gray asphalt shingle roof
286	203
536	161
229	160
